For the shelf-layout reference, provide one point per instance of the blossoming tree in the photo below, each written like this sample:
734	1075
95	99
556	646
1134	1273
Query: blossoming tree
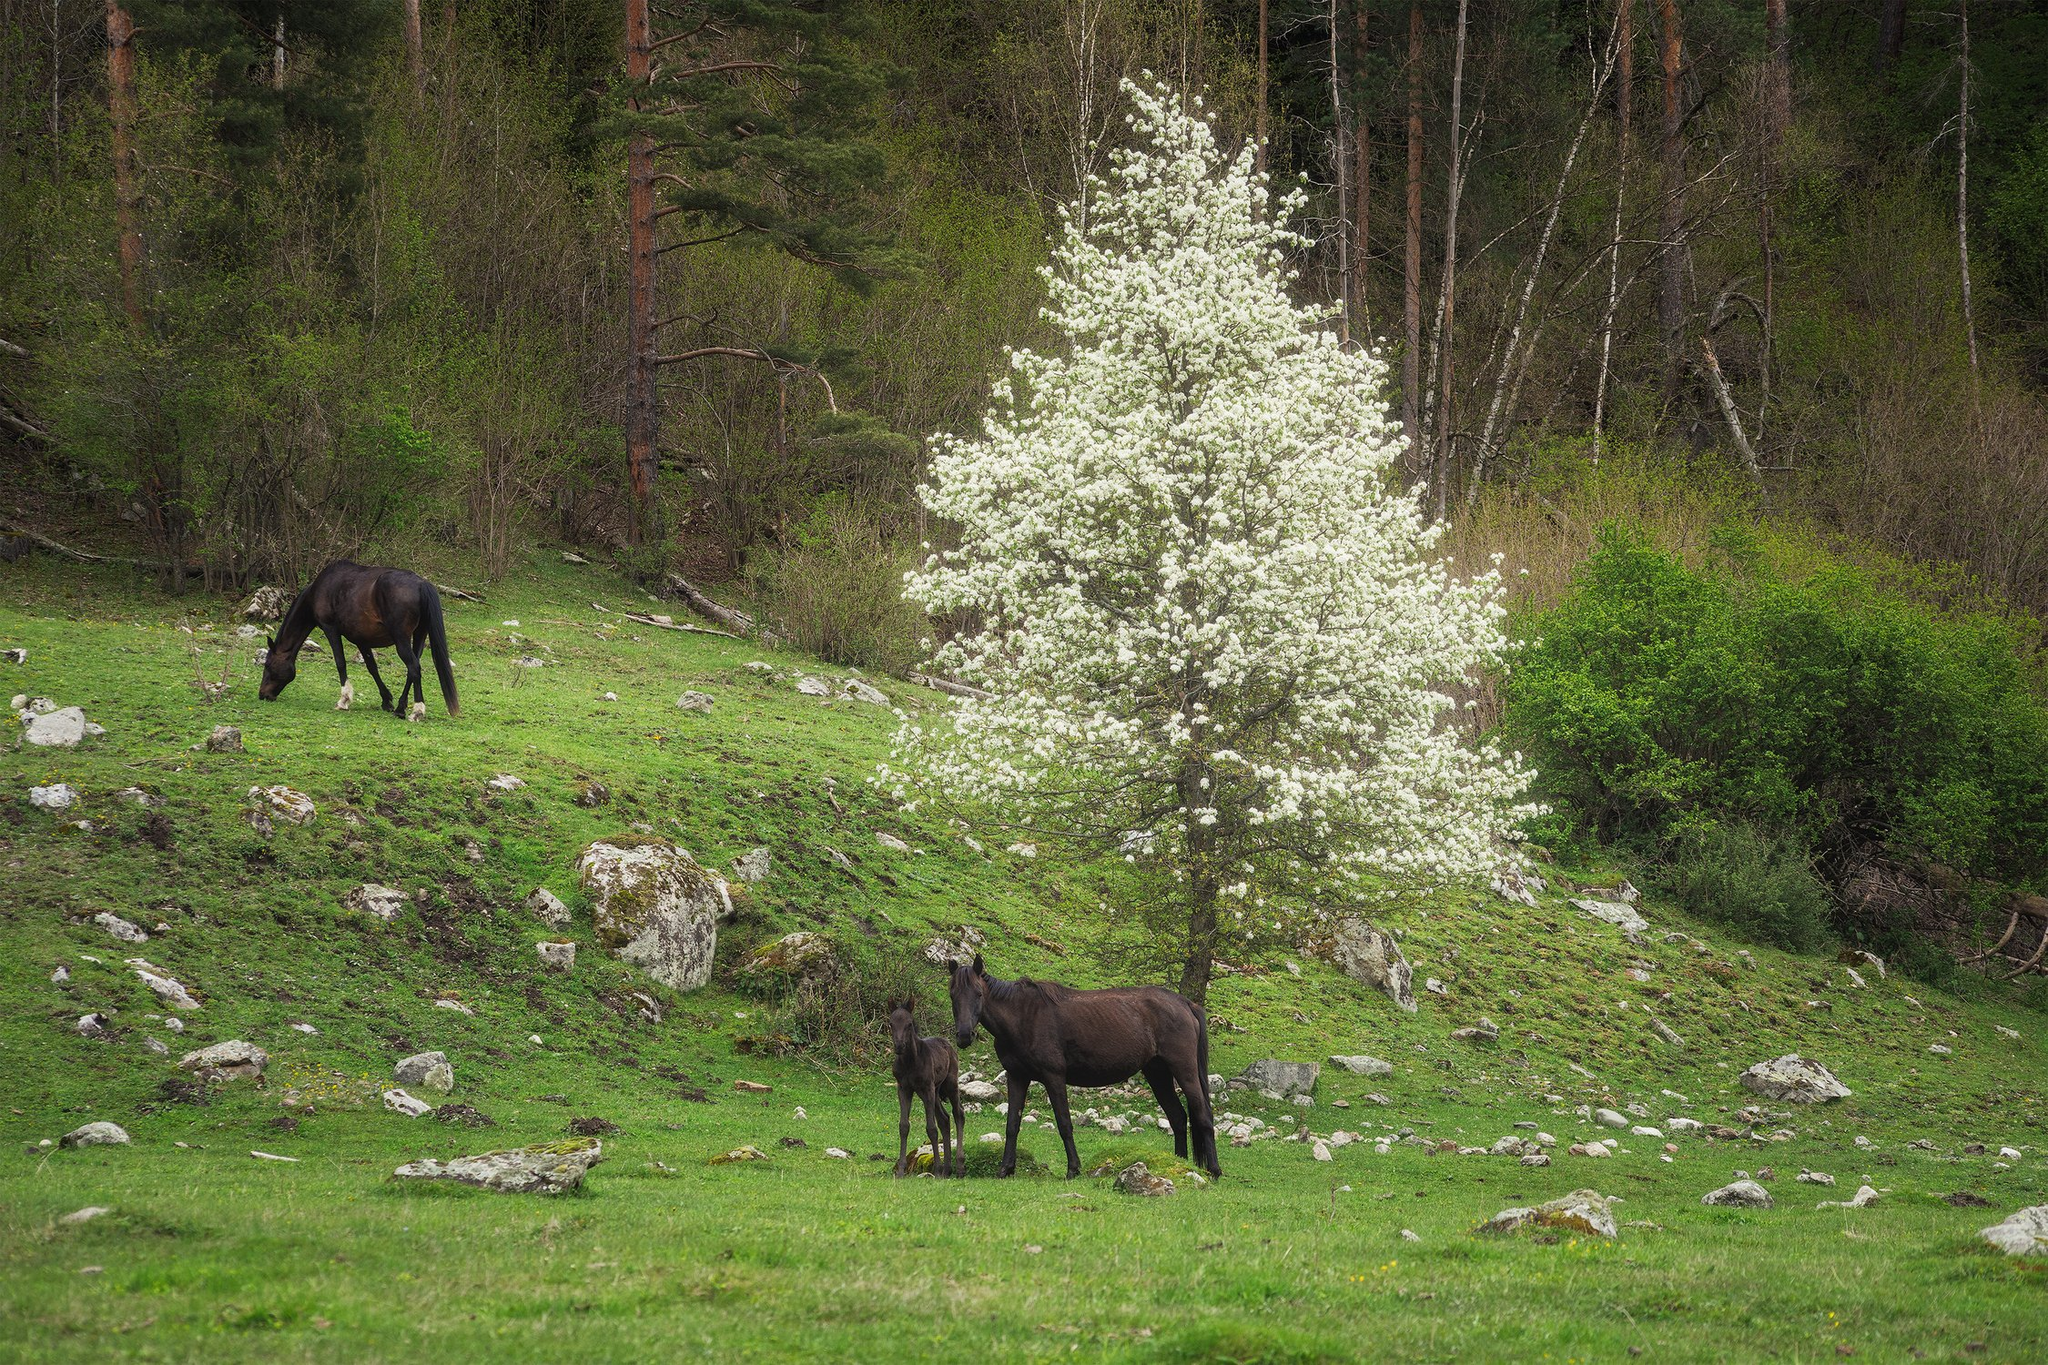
1211	633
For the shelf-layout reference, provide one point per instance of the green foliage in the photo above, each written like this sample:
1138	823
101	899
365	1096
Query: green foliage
1828	711
1734	874
838	589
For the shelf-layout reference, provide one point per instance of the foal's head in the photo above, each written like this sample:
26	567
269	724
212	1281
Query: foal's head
970	994
903	1022
279	668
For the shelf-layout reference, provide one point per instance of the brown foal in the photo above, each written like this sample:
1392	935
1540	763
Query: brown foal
928	1068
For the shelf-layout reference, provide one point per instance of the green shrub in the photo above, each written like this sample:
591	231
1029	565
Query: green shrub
837	590
1737	875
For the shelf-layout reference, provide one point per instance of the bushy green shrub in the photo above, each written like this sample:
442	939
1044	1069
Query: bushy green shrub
1830	712
837	590
1735	874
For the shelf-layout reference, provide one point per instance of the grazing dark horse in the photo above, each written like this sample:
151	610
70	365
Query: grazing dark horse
370	608
930	1069
1059	1036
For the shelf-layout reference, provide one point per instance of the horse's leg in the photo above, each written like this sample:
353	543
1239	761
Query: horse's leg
348	694
902	1129
1160	1077
414	685
1020	1091
1201	1113
959	1133
370	662
942	1157
933	1117
1056	1091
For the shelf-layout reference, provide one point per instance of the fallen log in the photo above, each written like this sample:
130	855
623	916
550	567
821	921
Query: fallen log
647	620
457	593
89	557
949	687
737	621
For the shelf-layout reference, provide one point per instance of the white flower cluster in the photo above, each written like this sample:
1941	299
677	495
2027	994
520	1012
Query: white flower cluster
1206	614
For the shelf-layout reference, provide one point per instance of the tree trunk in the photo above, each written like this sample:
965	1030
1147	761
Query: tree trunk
1624	99
277	57
1671	221
1361	171
1777	119
1891	36
1340	164
1203	886
1259	115
415	56
1963	192
1411	254
643	420
1446	329
127	194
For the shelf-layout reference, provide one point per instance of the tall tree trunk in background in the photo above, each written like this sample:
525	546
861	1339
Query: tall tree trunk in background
1963	193
415	55
1777	119
1340	164
1891	36
277	57
1361	171
1259	117
1411	253
643	417
127	195
1624	99
1446	328
1671	221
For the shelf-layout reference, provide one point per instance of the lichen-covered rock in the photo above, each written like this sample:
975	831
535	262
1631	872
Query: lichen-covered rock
655	907
861	691
281	803
549	907
739	1154
1363	1066
548	1168
267	604
558	954
120	928
1137	1178
700	702
95	1135
802	954
429	1069
398	1102
1618	913
1370	956
1793	1079
382	902
55	729
2023	1234
166	988
754	866
1287	1078
231	1060
225	739
1581	1211
57	797
1743	1194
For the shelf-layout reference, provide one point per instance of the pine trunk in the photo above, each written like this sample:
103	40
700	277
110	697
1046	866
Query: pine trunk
1361	172
1340	165
415	57
1671	221
1891	36
1259	116
1963	192
1624	99
642	415
1411	254
127	193
1445	449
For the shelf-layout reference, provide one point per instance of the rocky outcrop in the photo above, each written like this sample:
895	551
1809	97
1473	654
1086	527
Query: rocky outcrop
430	1070
1793	1079
95	1135
548	1168
1618	913
1742	1194
1285	1078
1370	956
803	954
655	907
281	803
1138	1179
380	902
1581	1211
2023	1234
235	1060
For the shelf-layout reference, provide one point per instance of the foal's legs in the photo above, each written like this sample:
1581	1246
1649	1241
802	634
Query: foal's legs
1160	1077
935	1128
1056	1091
902	1129
370	662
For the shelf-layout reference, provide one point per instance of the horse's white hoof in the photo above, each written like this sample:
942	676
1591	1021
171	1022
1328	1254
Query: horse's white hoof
418	712
347	697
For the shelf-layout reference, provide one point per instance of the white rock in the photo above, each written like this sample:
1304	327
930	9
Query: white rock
506	782
862	692
1793	1079
1644	1130
841	1154
2009	1153
545	1169
167	989
700	702
56	729
1864	1198
1363	1066
1370	956
100	1134
1940	1049
754	866
55	797
282	803
444	1003
655	907
890	841
1410	1235
1608	1118
304	1028
120	928
1619	913
398	1102
1322	1152
560	956
1815	1178
235	1059
813	687
1684	1125
548	906
429	1069
2025	1233
1743	1194
61	975
382	902
86	1214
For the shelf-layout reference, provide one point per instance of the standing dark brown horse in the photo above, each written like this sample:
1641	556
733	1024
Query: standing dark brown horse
928	1068
370	608
1059	1036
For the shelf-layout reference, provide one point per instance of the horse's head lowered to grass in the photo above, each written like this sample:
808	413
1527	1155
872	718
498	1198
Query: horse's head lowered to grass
280	666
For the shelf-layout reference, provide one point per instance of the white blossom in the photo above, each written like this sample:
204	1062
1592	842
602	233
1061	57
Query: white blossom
1215	637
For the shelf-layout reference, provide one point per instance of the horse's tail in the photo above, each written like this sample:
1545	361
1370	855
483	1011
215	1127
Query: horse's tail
1202	1051
437	640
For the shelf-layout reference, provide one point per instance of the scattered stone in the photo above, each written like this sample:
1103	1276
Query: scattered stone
92	1025
267	604
1794	1080
1940	1049
2025	1233
86	1214
1371	957
95	1135
591	794
1743	1194
531	661
1512	885
549	907
2005	1032
233	1060
1744	956
1485	1031
700	702
1645	1130
2009	1153
120	928
813	687
753	1088
381	902
547	1168
1137	1178
1665	1032
271	1156
981	1092
58	796
1363	1066
1536	1159
1608	1118
1618	913
1435	987
429	1069
282	803
841	1154
1322	1152
1806	1177
1592	1149
1684	1125
1283	1078
139	796
167	989
398	1102
862	692
225	739
754	866
55	729
1863	1198
890	841
1582	1211
655	907
442	1002
805	955
156	1047
558	954
738	1154
944	952
506	782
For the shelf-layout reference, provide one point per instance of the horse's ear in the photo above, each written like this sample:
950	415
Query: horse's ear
979	970
910	1001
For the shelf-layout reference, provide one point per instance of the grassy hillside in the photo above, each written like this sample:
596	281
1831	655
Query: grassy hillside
211	1253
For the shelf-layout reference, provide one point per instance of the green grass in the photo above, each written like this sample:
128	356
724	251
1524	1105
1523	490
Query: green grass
211	1254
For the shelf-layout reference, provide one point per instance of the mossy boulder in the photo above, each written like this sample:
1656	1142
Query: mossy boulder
655	906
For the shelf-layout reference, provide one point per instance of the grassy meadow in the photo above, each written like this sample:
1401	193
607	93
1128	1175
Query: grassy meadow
212	1254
